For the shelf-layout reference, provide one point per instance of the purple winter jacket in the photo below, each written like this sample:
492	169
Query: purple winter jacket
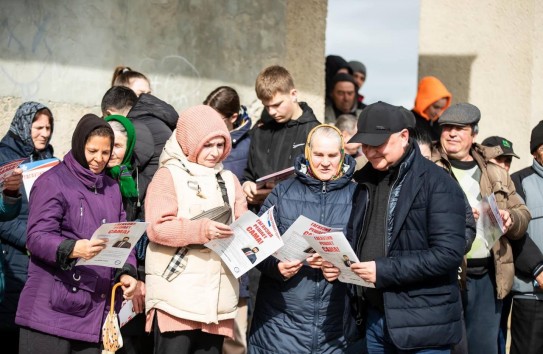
68	202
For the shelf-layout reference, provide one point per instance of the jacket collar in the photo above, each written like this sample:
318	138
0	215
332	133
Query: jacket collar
537	168
240	132
84	175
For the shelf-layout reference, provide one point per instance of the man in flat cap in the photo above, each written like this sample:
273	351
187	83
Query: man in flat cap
490	268
407	227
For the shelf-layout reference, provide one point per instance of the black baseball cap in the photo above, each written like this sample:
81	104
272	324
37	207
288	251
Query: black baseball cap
506	145
378	121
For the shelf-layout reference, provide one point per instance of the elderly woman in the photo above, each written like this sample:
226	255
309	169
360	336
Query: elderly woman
28	138
191	295
63	306
121	167
297	310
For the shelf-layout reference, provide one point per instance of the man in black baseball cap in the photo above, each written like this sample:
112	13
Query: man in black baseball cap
405	212
382	131
506	157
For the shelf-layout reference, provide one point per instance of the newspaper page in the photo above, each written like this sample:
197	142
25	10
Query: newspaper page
255	239
296	246
489	225
334	248
6	169
32	170
126	313
121	237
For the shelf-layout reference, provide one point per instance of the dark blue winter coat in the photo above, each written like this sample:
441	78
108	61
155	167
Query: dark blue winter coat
17	144
237	160
425	242
303	314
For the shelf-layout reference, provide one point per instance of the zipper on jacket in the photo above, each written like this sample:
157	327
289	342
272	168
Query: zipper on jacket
322	201
386	212
365	222
80	207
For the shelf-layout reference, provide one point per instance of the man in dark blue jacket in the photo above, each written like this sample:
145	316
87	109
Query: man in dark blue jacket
407	227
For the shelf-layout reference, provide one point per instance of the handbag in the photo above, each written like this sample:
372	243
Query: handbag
222	214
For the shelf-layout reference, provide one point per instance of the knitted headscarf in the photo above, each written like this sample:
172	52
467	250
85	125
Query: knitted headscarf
123	172
307	154
430	90
196	126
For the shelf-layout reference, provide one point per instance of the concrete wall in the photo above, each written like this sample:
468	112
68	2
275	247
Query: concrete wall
488	53
63	53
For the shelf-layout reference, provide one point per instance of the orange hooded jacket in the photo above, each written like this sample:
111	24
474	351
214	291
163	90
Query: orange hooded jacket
430	90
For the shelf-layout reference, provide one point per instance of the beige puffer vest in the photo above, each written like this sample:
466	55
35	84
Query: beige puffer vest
205	291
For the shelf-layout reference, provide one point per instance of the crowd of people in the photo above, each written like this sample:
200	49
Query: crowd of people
410	190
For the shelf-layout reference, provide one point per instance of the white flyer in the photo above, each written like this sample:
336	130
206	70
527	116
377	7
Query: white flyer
296	246
121	237
32	170
255	238
334	248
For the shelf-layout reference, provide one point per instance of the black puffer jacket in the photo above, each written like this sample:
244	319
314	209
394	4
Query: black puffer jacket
154	121
425	242
274	146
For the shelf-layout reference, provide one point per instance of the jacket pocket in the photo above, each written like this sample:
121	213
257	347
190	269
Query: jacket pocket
72	292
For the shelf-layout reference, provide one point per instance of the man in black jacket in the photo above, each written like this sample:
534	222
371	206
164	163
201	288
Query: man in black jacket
407	227
275	143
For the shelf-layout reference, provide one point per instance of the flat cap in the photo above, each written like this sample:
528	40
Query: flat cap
460	114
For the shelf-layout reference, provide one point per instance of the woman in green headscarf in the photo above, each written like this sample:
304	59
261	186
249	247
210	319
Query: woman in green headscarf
120	164
121	167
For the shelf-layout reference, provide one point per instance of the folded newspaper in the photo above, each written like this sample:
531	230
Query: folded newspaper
6	170
296	246
334	248
255	238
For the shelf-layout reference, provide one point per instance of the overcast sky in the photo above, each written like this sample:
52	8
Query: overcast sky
384	36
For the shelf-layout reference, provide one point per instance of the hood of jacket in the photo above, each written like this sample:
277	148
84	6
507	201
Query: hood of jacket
151	106
430	90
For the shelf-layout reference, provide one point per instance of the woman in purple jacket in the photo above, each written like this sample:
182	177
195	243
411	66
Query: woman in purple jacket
63	306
